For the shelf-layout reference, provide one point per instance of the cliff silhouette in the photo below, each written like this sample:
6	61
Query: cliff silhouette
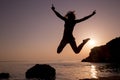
110	52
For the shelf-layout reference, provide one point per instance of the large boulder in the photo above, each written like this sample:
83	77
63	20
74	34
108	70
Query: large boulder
41	71
4	75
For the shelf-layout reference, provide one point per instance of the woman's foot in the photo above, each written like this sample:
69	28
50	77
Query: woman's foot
86	40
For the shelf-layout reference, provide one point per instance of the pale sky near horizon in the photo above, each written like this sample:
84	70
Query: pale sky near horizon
29	30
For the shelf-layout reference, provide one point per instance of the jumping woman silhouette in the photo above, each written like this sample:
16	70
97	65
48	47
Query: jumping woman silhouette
70	21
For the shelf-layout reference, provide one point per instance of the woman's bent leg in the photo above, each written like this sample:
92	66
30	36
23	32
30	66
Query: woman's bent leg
79	48
74	46
83	43
61	46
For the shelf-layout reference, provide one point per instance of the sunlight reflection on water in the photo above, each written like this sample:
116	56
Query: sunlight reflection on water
64	70
93	71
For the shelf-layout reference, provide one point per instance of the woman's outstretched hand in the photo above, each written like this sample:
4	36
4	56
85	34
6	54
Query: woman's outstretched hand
53	8
94	12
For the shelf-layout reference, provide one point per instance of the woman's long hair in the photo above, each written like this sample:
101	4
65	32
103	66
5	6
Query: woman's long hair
70	15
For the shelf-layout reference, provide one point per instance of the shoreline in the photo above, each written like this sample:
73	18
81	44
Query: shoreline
104	78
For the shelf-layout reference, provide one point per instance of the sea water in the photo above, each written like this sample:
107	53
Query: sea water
65	70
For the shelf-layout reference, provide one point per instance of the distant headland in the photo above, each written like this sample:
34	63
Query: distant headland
110	52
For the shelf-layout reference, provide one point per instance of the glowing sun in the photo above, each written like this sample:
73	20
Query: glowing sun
92	42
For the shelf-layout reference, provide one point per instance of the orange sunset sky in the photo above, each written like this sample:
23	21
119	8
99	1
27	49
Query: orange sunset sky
29	30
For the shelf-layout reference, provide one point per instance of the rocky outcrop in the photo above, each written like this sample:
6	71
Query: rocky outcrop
105	53
41	71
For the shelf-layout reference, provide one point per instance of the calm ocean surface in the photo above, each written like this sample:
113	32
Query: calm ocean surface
65	70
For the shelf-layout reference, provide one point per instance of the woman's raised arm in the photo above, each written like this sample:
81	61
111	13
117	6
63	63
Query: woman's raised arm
58	14
87	17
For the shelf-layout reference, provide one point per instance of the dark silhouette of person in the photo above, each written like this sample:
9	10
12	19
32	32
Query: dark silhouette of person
70	21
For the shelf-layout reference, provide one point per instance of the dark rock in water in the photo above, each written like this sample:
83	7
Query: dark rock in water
41	71
4	75
110	52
